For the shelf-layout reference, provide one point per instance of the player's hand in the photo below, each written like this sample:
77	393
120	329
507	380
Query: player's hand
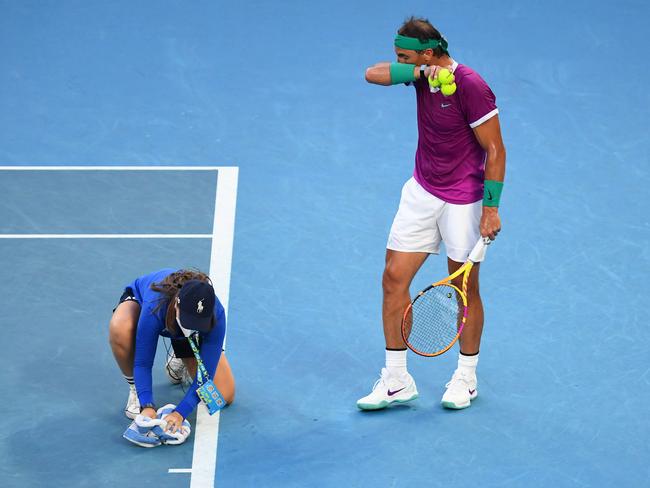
431	71
490	222
174	422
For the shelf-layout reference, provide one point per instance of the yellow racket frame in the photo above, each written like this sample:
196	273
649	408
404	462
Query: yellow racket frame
476	255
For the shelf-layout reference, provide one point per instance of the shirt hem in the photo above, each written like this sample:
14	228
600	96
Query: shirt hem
442	196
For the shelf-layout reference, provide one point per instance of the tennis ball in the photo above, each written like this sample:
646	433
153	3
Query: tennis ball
448	90
434	82
445	76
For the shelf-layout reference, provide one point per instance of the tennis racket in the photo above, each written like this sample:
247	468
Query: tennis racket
434	320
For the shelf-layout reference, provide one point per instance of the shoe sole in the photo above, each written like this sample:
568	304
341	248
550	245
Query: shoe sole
455	406
383	403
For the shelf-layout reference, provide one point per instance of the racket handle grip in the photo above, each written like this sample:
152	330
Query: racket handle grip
478	253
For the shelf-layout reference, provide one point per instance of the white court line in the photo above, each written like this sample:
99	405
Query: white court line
206	432
105	236
114	168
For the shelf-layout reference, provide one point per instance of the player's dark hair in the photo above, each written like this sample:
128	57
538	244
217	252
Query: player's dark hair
422	29
169	287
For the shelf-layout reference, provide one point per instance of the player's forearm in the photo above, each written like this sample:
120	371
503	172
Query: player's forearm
381	74
495	164
143	383
495	170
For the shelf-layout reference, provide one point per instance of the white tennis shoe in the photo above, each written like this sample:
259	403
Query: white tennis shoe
132	409
175	369
389	389
461	390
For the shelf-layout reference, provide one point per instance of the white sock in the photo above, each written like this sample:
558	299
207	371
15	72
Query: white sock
396	363
467	364
129	380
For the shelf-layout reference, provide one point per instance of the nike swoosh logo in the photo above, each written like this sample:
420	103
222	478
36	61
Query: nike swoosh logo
445	105
489	195
391	393
471	392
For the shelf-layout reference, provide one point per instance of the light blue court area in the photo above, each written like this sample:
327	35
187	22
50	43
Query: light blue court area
66	393
108	201
277	90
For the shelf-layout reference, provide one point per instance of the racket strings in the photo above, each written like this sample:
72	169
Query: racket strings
434	319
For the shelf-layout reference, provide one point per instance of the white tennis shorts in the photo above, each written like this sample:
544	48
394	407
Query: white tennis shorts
423	221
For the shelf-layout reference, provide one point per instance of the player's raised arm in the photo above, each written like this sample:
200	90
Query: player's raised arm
392	73
415	60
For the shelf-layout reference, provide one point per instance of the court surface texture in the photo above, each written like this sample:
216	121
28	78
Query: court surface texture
241	138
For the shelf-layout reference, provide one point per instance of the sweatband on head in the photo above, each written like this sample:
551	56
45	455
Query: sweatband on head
401	73
492	193
415	44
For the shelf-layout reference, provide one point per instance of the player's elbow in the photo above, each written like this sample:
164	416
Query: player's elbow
496	151
369	77
377	76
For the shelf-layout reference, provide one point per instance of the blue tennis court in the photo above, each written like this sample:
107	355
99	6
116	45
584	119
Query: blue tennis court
242	139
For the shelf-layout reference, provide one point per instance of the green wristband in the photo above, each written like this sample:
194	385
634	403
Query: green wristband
401	73
492	193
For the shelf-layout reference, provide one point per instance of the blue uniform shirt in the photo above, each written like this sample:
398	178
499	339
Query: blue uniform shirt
152	324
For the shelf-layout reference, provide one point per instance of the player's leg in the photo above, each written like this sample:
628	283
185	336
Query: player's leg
414	235
399	271
395	383
459	227
121	333
224	379
470	339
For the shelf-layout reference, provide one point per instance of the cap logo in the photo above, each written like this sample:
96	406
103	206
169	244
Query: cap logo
199	306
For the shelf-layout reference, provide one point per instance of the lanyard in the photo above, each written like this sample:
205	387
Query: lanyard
201	372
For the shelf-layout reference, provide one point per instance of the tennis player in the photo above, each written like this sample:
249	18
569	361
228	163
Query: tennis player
158	304
453	197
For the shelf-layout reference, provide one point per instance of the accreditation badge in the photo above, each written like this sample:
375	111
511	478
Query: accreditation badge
211	397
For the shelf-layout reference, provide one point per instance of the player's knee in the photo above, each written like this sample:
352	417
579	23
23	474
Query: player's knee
226	385
392	281
114	332
229	394
472	286
119	333
224	380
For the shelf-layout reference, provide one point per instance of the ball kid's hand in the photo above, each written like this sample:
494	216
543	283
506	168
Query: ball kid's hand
490	222
149	412
174	422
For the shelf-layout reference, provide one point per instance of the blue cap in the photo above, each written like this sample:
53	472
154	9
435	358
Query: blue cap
196	306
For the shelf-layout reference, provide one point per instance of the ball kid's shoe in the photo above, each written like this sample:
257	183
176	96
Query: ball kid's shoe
132	408
388	389
461	390
175	369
